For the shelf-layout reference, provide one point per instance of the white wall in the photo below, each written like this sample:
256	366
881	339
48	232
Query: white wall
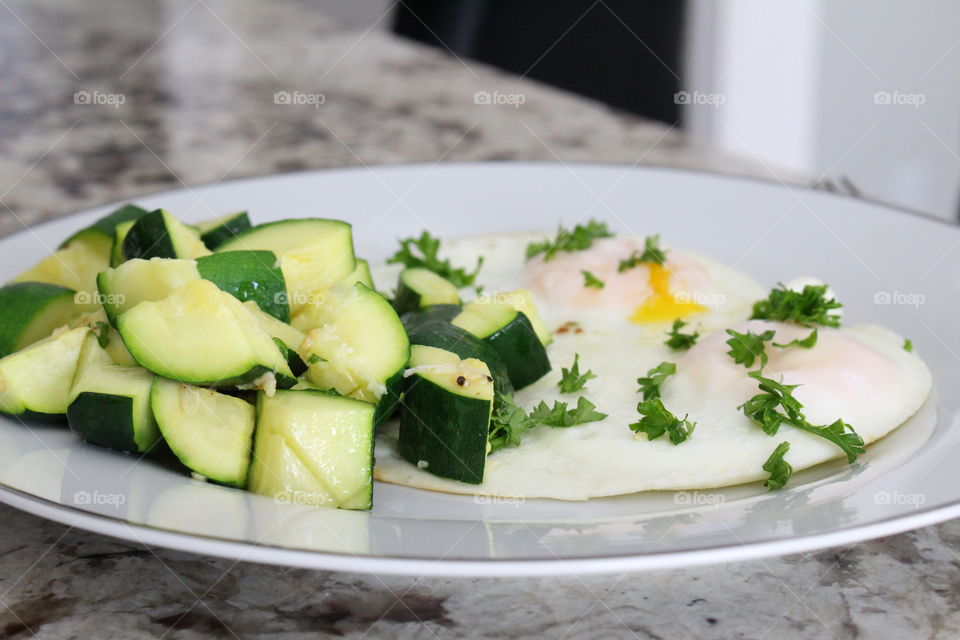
798	80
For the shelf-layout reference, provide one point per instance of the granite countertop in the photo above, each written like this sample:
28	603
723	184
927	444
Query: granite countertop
182	93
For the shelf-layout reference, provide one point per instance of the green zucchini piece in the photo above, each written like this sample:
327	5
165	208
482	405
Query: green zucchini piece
445	416
159	235
360	349
314	447
201	335
361	274
134	281
419	288
99	236
289	336
511	333
119	235
107	337
76	268
36	381
31	311
314	253
249	275
111	403
216	232
210	433
430	328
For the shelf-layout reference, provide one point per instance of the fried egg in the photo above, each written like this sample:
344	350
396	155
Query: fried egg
860	374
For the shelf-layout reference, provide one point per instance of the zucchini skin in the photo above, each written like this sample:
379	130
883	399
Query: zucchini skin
521	351
103	419
231	227
390	400
149	238
444	429
105	226
246	276
405	299
425	329
21	303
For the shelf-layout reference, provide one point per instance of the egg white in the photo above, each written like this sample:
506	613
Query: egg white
606	458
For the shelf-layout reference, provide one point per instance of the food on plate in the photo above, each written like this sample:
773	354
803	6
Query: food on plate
572	365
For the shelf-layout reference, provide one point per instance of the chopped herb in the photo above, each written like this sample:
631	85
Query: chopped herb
764	410
590	280
806	343
428	247
509	422
102	332
652	253
746	348
778	468
651	383
580	238
681	341
314	359
571	380
907	345
808	307
657	420
559	416
478	291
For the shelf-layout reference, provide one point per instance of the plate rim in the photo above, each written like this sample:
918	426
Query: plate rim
128	531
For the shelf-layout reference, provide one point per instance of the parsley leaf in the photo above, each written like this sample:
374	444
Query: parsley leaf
681	341
652	253
102	331
778	468
428	247
507	424
580	238
806	343
559	416
313	358
656	420
763	409
651	383
571	379
907	345
590	280
808	307
746	348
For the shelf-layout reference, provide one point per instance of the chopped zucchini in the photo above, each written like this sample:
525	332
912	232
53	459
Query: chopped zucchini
75	267
445	415
432	329
216	232
361	348
314	447
511	333
314	253
99	236
419	288
201	335
36	381
135	281
289	336
31	311
111	404
210	433
119	235
522	300
107	336
159	235
249	275
361	274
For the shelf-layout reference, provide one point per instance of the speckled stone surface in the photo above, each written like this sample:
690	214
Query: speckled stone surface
182	93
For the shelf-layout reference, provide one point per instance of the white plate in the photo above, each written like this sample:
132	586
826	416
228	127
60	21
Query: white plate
897	269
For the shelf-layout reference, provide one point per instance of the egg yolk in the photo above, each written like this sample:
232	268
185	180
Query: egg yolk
661	305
